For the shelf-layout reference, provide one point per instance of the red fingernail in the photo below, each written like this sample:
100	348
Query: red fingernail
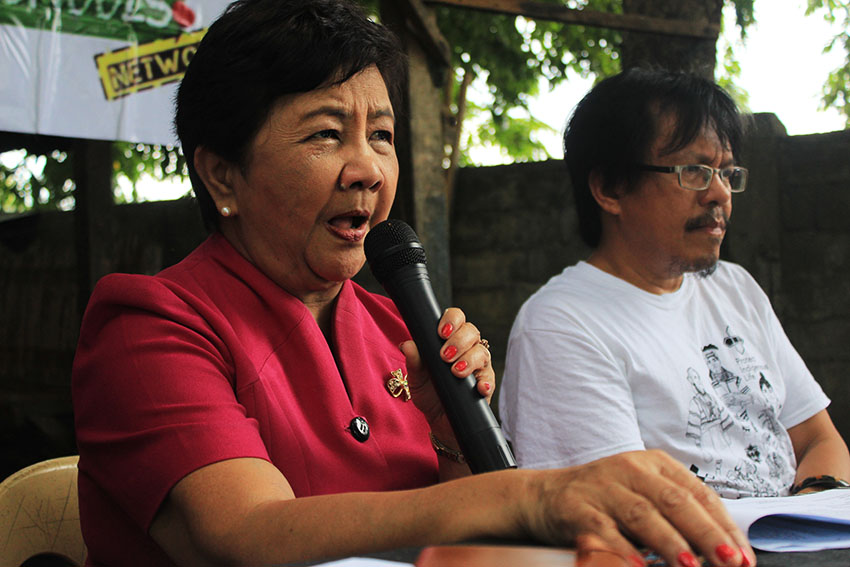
461	365
745	562
487	386
447	330
724	552
450	352
687	559
637	561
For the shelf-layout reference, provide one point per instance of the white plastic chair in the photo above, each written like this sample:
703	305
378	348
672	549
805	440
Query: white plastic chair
39	514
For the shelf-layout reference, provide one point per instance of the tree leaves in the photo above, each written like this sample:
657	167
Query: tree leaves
510	55
133	161
30	182
35	182
836	90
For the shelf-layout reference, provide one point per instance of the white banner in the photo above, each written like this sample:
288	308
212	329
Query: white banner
99	69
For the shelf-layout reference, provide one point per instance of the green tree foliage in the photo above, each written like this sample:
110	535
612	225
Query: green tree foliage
134	161
32	182
744	14
730	69
511	56
836	90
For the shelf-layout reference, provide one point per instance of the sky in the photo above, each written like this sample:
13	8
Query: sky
783	68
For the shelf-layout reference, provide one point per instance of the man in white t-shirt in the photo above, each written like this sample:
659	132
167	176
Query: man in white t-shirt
653	343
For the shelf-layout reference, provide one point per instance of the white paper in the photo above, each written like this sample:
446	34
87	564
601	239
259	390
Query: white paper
809	522
364	562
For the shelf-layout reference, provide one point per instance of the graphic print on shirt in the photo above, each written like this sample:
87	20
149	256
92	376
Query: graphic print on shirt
707	420
733	420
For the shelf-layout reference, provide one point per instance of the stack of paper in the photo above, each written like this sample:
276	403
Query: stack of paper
809	522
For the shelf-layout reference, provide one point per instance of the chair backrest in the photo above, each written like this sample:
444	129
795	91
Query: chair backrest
39	513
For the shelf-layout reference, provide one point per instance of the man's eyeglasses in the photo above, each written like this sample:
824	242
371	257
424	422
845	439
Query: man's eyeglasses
698	177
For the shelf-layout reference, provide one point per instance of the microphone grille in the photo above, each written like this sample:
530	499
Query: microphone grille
391	245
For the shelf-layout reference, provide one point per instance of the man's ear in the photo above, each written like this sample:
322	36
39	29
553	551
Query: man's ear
610	203
218	175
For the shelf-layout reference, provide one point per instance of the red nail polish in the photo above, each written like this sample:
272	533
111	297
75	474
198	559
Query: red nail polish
687	559
745	562
450	352
447	330
461	365
487	386
724	552
637	561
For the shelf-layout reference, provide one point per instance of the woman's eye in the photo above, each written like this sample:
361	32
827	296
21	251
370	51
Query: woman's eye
383	135
328	134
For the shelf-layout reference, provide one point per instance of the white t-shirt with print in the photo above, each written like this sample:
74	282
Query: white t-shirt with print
597	366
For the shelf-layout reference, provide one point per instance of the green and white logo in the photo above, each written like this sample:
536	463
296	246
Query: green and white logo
135	21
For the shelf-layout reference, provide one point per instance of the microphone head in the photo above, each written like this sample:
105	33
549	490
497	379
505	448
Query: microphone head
391	245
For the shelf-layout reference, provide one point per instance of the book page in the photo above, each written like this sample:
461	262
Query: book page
809	522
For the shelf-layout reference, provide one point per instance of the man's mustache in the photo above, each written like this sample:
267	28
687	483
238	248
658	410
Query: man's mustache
709	218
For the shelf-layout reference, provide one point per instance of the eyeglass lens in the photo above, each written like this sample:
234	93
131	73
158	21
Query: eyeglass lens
699	177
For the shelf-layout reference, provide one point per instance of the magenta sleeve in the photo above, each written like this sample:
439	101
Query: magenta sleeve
153	392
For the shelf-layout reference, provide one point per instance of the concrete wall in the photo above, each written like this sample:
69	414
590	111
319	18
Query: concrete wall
40	313
813	298
515	227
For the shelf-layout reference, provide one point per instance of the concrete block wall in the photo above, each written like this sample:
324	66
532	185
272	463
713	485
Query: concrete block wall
513	227
39	324
40	313
814	294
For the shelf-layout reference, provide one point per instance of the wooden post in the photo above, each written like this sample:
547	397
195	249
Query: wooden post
685	53
93	202
421	199
683	24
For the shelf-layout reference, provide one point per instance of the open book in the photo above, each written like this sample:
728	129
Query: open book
809	522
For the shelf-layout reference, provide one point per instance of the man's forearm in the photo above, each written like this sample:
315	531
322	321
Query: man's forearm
820	449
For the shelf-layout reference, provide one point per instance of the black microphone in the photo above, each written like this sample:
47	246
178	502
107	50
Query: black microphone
397	260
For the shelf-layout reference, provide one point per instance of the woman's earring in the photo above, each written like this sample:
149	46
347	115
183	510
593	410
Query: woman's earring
226	212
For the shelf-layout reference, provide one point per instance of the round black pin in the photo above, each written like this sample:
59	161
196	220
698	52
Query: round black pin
359	429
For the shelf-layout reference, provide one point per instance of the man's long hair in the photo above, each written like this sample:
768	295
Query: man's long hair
614	126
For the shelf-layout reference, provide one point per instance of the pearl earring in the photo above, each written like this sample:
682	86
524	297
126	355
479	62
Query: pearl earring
226	212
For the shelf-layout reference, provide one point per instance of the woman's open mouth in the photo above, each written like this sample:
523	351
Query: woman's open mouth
350	226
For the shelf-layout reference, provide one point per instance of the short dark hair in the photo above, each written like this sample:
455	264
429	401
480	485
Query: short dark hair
260	50
616	123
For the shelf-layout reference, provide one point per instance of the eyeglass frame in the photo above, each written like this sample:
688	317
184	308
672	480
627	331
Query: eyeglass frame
677	169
